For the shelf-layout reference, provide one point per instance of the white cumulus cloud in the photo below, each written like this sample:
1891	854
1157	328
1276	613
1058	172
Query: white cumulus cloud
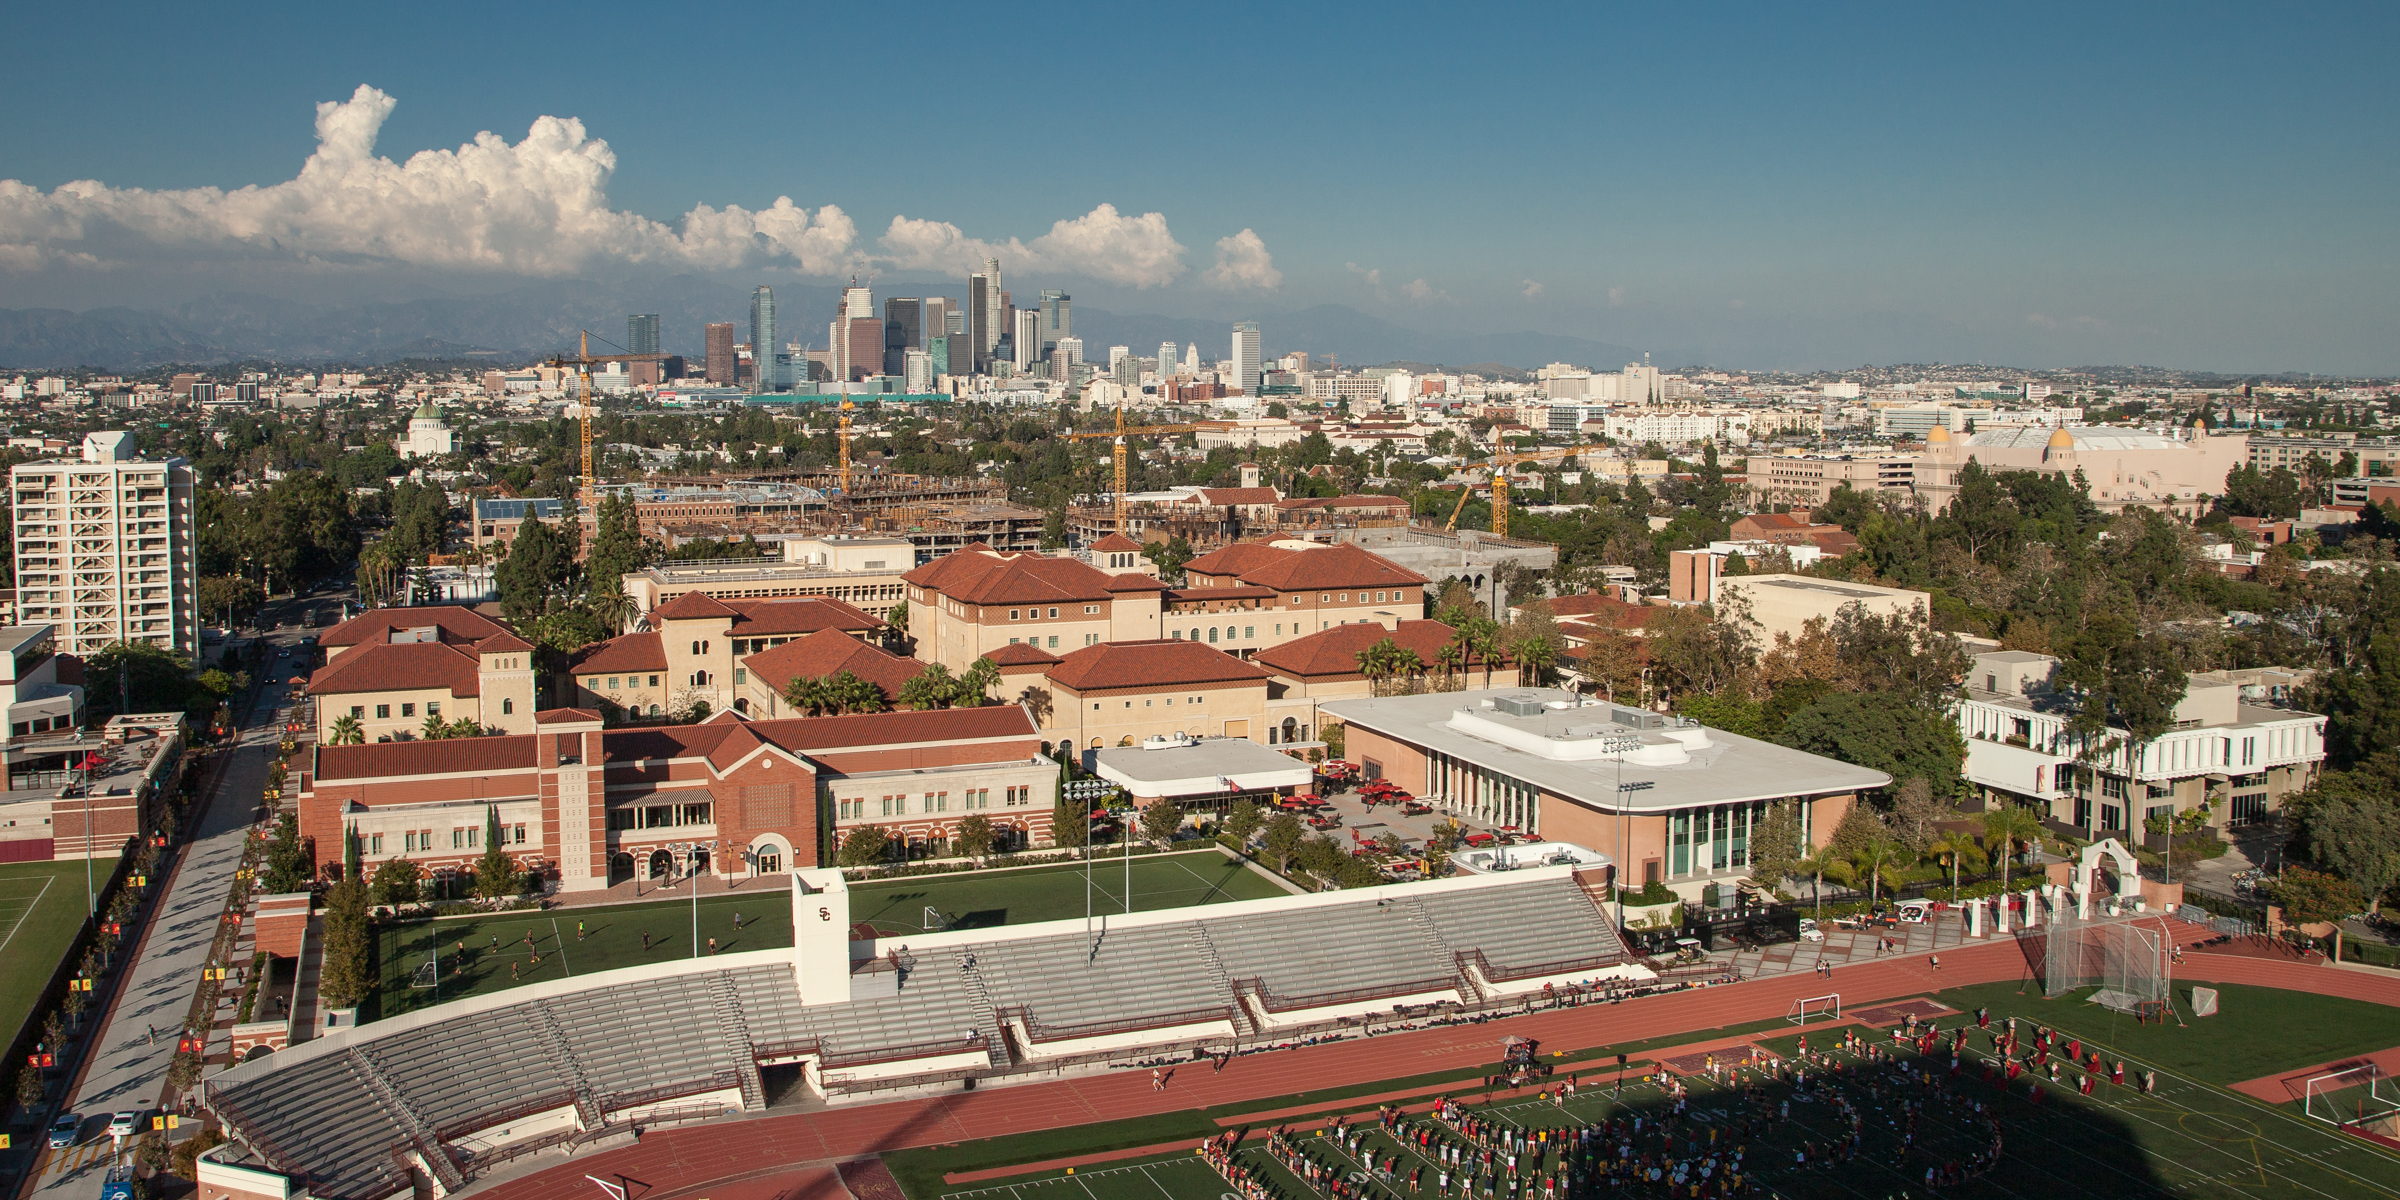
537	206
1530	288
1423	292
1103	243
1243	262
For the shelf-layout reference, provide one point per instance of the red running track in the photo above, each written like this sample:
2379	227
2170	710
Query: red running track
699	1159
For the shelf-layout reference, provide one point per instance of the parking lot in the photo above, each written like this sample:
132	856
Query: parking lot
1372	822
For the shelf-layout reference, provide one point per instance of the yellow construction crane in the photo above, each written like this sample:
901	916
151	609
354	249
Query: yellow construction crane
582	360
1500	465
1120	435
846	447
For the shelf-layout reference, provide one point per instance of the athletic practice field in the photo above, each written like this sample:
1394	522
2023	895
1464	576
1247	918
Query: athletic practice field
981	899
2192	1138
488	954
41	907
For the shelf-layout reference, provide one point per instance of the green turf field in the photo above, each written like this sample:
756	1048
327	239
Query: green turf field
979	900
41	908
2193	1138
611	938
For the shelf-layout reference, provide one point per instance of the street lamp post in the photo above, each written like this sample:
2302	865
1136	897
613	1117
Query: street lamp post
1620	746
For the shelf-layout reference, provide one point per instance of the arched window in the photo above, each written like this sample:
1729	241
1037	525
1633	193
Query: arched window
654	710
741	705
695	649
1212	635
507	706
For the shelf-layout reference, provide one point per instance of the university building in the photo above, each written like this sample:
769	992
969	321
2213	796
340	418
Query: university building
389	669
589	807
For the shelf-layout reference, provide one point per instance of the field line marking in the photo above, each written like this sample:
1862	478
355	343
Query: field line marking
556	932
1162	1188
1212	888
20	922
1087	1189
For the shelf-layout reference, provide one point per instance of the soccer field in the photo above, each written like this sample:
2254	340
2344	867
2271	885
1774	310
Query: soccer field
980	900
41	908
2192	1138
481	955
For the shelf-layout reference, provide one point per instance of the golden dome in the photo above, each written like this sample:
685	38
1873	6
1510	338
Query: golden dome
1939	433
2062	440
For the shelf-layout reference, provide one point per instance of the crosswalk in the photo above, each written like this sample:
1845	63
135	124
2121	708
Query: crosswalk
96	1152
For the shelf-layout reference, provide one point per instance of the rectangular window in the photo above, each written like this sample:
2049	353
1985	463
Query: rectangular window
1012	614
408	841
1249	633
374	843
358	712
1091	639
654	681
741	675
433	708
1012	641
458	839
1679	861
1089	609
520	832
383	712
1054	614
408	710
1054	641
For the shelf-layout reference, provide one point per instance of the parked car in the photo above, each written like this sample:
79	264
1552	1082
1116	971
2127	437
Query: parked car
1415	808
122	1125
64	1129
1915	912
1809	931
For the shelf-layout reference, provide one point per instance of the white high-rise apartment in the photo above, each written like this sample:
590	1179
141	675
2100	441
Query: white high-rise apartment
1166	360
1028	335
105	548
1246	357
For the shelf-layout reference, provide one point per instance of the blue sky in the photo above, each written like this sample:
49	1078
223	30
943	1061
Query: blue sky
2188	185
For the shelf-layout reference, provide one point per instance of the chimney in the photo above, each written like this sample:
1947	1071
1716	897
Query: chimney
1389	621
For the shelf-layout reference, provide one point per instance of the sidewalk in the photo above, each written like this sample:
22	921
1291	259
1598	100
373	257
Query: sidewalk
126	1068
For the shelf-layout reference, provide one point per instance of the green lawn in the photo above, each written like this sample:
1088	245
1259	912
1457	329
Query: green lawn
611	937
41	908
2191	1139
977	900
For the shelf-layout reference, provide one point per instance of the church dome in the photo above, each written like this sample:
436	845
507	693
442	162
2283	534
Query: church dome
1939	433
2062	440
426	412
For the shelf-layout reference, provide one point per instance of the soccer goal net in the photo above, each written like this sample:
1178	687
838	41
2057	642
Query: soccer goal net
1815	1008
2360	1097
2125	960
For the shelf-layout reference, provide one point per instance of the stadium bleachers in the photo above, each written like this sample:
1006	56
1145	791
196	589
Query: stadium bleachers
624	1044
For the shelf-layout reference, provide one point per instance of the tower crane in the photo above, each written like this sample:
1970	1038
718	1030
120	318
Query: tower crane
1500	465
1120	434
582	360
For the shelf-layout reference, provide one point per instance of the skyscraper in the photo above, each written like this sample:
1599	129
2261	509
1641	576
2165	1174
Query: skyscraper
1058	319
762	340
979	320
641	333
937	317
916	370
722	363
1166	360
1063	358
1028	338
105	548
992	302
1191	358
903	331
1246	357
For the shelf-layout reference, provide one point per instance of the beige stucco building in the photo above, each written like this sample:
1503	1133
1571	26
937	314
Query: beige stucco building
2123	467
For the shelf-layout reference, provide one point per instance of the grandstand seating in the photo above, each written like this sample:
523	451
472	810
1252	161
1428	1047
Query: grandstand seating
621	1044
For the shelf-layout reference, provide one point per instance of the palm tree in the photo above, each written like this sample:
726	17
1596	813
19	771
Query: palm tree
1452	658
612	608
434	729
847	693
466	727
1878	859
1385	659
931	688
805	694
347	732
1950	848
2004	830
1481	636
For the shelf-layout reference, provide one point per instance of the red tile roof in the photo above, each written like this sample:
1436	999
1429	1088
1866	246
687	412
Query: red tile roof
502	642
1333	652
692	606
565	716
1135	581
987	578
1341	565
899	728
449	756
1159	663
626	652
829	652
375	625
406	666
805	614
1303	502
1019	654
1116	542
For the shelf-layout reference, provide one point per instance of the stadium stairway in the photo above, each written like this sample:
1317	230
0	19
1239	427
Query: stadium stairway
428	1143
736	1034
562	1056
1206	948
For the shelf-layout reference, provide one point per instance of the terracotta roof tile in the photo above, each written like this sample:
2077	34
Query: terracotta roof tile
457	624
1116	542
450	756
1009	656
1331	652
407	666
805	614
1239	495
1161	663
565	716
986	578
502	642
692	606
1341	565
829	652
1235	559
626	652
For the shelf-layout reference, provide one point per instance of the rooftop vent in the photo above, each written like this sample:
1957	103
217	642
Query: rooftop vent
1520	706
1639	718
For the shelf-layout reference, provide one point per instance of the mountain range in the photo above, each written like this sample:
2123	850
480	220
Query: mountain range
527	322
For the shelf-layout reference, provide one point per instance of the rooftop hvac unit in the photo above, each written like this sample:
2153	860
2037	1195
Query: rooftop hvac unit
1639	718
1520	706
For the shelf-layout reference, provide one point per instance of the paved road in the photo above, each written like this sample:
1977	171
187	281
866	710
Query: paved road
127	1069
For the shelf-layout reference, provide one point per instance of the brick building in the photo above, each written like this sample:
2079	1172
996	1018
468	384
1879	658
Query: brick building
589	807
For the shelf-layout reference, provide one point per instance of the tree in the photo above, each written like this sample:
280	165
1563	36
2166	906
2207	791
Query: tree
1170	555
346	731
1775	845
1953	849
496	875
143	677
1905	741
343	975
1386	660
434	729
1691	651
2358	835
974	836
397	882
617	546
1242	820
2309	897
864	846
565	630
974	688
1534	640
1070	822
1160	819
291	859
928	689
538	563
1916	815
895	624
2007	830
1879	862
1284	834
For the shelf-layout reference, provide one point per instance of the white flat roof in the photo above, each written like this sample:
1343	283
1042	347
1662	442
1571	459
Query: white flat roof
1729	769
1213	766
